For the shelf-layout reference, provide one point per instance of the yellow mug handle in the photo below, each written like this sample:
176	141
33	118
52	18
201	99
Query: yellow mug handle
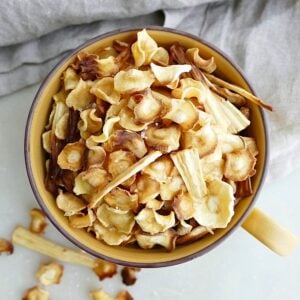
271	234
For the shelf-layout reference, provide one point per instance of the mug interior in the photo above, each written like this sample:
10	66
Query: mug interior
35	155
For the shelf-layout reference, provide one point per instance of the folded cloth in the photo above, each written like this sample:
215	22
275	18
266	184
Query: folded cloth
261	36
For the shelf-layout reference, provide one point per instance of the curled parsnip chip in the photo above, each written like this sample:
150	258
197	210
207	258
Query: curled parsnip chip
133	80
183	228
82	221
115	109
152	222
90	123
88	181
230	142
205	140
146	107
50	273
239	165
251	145
155	204
100	295
107	66
106	133
71	157
61	112
46	139
62	127
143	49
215	209
160	170
165	139
71	79
60	96
127	120
161	57
166	239
173	186
110	235
104	89
124	295
195	234
129	275
36	293
122	199
183	206
105	269
38	221
169	76
147	188
207	65
181	112
122	221
118	162
6	247
126	140
213	165
80	97
69	203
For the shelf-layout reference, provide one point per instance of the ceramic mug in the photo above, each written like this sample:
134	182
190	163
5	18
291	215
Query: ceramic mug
252	219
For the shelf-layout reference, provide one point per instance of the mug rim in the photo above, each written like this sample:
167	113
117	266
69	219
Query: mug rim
41	201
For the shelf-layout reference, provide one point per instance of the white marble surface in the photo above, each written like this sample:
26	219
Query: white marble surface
240	268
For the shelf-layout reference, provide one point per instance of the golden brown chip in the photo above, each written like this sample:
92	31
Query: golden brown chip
127	120
105	269
147	188
183	228
36	293
121	199
165	139
166	239
82	221
207	65
96	157
71	157
50	273
196	233
90	123
129	275
124	295
69	203
183	206
108	65
100	295
239	165
71	79
38	221
6	247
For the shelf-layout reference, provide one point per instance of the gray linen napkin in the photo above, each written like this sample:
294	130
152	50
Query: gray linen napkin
261	36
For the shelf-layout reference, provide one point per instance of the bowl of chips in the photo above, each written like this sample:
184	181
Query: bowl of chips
146	147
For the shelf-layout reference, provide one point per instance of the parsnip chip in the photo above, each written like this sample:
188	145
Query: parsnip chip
69	203
49	274
60	96
100	295
110	235
82	221
204	140
90	123
80	97
183	228
38	221
62	127
207	65
71	79
104	89
181	112
146	108
166	239
165	139
173	186
133	80
215	210
155	204
71	157
213	165
143	49
239	165
121	199
106	133
169	76
147	188
96	157
60	118
126	140
124	295
46	138
161	57
160	170
183	206
251	145
115	109
122	221
196	233
107	66
127	120
88	181
36	293
105	269
129	275
230	142
152	222
6	247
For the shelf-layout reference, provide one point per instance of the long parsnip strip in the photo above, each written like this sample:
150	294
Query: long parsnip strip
238	90
25	238
132	170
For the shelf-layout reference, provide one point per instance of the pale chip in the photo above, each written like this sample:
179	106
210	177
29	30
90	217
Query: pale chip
71	79
148	188
96	157
115	109
46	138
183	206
155	204
36	293
195	234
90	123
207	65
38	221
107	66
69	203
127	120
49	274
161	57
183	228
122	199
82	221
60	96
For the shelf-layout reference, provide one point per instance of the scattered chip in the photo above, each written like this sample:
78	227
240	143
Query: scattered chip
105	269
50	273
129	275
36	293
6	247
38	221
